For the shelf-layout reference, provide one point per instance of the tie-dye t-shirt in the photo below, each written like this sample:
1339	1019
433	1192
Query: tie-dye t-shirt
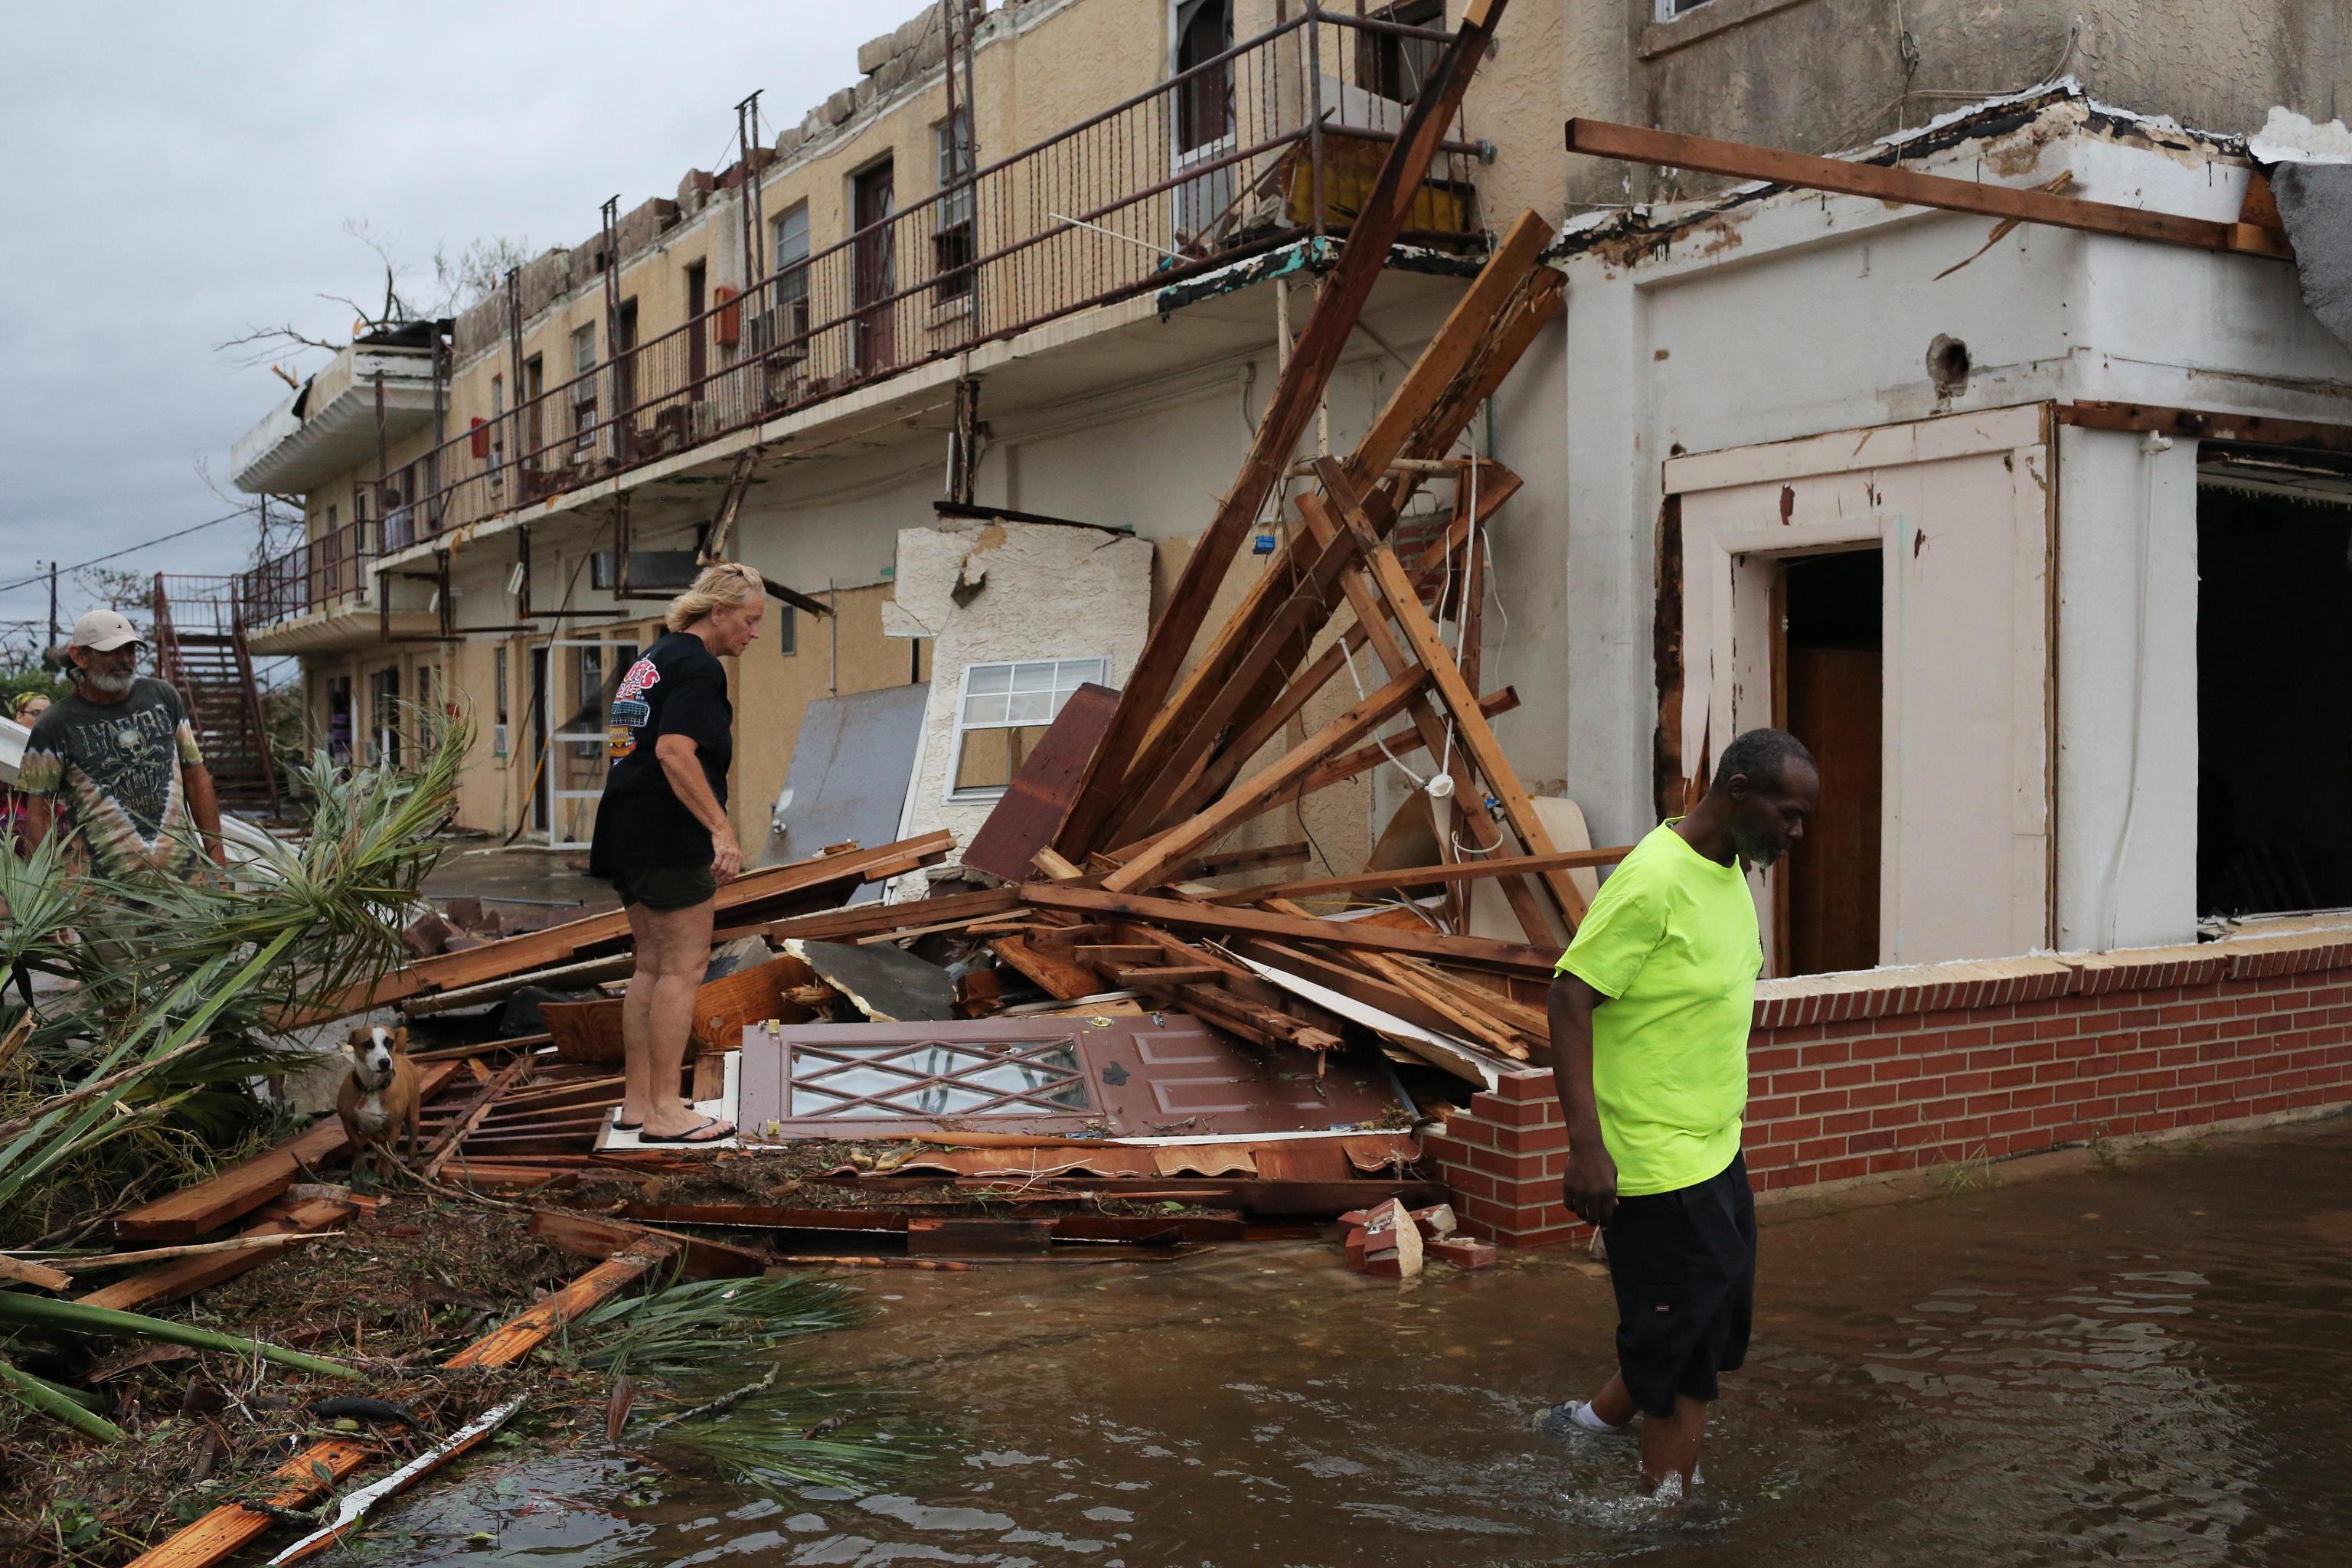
113	769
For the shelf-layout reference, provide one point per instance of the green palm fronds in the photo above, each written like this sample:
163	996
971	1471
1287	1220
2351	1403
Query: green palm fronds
176	986
813	1435
703	1322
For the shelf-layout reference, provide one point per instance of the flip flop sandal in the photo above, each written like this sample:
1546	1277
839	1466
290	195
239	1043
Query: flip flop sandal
688	1136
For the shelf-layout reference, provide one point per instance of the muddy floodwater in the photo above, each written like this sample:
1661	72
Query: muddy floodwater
2149	1363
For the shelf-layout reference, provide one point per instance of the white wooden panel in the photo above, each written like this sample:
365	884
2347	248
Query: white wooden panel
1964	528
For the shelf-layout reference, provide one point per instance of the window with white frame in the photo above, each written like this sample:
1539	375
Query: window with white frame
583	386
1002	712
952	237
786	323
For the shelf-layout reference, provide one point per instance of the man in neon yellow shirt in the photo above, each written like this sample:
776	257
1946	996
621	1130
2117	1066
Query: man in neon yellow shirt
1650	1013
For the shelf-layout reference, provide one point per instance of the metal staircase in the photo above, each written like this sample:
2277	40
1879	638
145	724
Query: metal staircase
201	649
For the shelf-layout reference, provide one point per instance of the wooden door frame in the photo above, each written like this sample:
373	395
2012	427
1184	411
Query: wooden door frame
1723	558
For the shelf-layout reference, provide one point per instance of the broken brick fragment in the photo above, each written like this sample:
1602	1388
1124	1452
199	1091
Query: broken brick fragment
1464	1252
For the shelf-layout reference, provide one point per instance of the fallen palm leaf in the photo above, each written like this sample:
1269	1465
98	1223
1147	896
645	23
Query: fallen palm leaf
41	1311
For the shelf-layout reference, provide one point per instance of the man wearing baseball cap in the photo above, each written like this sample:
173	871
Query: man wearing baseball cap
120	760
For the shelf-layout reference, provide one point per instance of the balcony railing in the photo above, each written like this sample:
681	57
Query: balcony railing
1278	137
326	573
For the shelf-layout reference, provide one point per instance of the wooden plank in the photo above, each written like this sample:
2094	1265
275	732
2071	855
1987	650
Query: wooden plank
1193	916
1364	758
868	919
198	1210
1740	160
1290	407
1057	977
1028	815
475	1113
222	1532
700	1257
1483	835
519	1336
1138	977
1156	862
2205	425
518	954
1271	711
1477	738
1457	343
187	1276
1413	876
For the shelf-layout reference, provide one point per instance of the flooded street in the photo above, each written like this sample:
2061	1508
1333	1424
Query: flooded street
2147	1363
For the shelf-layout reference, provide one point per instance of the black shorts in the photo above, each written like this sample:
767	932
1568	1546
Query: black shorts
664	887
1684	1266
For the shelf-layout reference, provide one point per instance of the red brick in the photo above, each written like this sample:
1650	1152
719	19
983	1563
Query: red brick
1463	1252
1515	1114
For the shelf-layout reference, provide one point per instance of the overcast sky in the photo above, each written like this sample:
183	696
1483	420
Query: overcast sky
177	173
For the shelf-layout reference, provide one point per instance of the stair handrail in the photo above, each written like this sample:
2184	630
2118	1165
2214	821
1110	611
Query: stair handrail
251	690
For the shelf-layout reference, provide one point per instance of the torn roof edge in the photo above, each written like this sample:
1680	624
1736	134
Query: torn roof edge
1976	121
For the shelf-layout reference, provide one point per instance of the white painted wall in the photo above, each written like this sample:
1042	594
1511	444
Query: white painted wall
2127	692
1804	314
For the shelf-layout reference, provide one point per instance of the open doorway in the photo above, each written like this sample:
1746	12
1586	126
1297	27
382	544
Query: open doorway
2273	659
1832	697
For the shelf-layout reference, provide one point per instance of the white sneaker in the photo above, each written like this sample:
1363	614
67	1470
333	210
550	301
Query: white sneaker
1575	1420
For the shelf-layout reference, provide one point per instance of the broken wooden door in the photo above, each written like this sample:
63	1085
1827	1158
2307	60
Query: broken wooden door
1126	1076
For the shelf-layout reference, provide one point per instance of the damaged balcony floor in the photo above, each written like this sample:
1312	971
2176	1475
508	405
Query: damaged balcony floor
2141	1364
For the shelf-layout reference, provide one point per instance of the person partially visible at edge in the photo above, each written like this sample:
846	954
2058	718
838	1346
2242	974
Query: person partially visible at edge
662	838
13	803
1650	1012
120	760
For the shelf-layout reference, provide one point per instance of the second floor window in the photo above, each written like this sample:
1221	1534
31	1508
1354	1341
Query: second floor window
952	240
1395	67
583	386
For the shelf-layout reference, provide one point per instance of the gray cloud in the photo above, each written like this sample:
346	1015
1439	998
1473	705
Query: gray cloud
178	174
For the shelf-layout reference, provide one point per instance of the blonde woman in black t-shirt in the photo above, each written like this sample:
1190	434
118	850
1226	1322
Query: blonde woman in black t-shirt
663	839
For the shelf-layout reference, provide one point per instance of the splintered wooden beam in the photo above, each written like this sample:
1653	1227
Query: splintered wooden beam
1158	861
1744	161
1494	705
1338	305
207	1206
1469	721
1272	710
1185	914
314	1472
1483	835
1422	419
1415	876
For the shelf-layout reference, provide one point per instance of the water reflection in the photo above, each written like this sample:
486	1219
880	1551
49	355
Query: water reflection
2143	1365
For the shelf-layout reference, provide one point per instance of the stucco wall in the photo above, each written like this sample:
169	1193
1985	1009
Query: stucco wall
1003	592
1822	75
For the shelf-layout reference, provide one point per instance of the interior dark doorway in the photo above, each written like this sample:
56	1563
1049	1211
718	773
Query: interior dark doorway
1831	677
2274	662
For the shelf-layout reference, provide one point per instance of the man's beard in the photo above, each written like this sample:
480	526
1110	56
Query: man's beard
113	685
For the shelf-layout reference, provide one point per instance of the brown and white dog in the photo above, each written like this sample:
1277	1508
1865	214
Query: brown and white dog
378	1100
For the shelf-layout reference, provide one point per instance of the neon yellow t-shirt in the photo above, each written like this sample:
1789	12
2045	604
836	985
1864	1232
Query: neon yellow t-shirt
1672	943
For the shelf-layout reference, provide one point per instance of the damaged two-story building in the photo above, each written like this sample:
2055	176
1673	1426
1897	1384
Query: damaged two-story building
1999	515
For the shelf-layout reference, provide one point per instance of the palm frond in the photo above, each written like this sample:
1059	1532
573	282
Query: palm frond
706	1323
810	1435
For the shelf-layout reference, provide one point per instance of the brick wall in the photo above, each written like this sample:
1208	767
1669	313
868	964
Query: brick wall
1889	1070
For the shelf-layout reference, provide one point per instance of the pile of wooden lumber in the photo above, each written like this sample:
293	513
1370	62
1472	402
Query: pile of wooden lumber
1115	823
1110	840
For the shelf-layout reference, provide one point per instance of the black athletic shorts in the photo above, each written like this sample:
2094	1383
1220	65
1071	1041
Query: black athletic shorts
664	887
1683	1265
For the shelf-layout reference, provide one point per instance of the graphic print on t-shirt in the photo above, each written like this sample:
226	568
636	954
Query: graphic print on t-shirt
630	710
116	768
